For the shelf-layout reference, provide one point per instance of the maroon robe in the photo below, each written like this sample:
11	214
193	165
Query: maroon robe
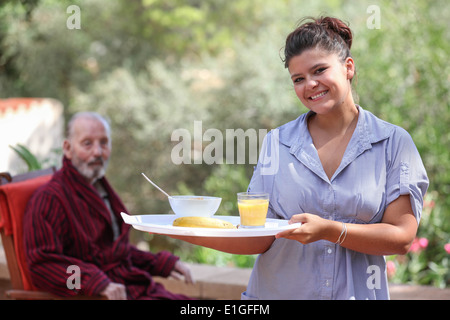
67	223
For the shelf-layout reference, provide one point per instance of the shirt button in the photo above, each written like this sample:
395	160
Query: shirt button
327	283
329	250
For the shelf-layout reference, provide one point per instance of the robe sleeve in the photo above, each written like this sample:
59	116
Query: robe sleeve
157	264
45	227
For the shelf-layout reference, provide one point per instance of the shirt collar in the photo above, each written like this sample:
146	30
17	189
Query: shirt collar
296	136
369	130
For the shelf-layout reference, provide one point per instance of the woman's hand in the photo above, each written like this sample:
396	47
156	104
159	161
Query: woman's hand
393	235
313	228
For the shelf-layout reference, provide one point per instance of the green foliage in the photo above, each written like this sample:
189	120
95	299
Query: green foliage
428	261
32	162
225	182
25	154
214	257
406	83
153	66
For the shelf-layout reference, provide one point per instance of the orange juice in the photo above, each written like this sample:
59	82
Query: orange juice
253	209
253	212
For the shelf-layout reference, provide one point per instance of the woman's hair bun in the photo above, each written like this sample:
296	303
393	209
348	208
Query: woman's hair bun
326	33
338	27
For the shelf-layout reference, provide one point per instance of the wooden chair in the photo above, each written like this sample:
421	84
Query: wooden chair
14	195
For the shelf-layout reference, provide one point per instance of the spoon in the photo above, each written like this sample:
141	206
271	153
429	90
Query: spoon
155	185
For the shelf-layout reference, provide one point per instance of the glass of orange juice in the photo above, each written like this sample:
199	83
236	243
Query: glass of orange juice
253	209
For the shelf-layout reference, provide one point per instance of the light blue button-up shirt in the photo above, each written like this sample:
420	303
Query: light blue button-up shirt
380	163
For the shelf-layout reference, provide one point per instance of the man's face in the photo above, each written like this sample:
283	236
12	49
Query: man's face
89	148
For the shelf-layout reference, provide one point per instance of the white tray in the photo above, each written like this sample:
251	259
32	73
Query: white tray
162	224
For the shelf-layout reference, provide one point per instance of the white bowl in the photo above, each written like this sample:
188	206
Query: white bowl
184	206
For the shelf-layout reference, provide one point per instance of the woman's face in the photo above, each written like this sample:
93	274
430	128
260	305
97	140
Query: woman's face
321	80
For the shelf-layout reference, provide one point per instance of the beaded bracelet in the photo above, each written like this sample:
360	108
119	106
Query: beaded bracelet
344	233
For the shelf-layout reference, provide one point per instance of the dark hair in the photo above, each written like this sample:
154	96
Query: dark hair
330	34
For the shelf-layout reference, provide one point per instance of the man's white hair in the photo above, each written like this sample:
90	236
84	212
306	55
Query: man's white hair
89	115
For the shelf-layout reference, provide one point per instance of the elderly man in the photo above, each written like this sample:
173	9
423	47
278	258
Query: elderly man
74	220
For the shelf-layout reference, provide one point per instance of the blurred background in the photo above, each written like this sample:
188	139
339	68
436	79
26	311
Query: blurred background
153	66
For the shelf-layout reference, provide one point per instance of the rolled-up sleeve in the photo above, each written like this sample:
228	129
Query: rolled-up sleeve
406	173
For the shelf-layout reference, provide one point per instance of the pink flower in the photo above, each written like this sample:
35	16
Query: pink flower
447	247
429	204
418	244
415	246
423	242
390	268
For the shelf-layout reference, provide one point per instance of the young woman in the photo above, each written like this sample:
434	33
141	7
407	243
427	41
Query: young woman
355	182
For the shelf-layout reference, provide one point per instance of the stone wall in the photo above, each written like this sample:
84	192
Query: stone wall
36	123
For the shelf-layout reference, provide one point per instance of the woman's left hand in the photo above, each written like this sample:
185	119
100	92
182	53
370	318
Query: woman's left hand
393	235
313	228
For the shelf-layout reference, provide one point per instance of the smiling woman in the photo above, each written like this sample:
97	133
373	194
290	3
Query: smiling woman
321	68
316	54
356	183
322	82
354	207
